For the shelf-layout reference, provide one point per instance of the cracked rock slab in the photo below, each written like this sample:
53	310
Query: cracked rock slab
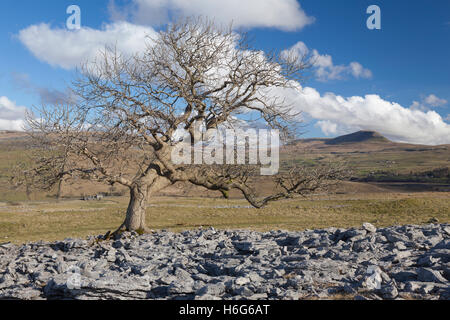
363	263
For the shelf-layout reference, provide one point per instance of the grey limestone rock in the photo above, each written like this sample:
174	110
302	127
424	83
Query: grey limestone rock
234	264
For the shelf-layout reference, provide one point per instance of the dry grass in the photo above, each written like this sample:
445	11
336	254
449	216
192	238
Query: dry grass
33	221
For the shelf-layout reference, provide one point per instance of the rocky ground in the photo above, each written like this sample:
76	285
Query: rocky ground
403	262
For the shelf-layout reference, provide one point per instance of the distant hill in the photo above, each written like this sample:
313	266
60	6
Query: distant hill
12	135
356	137
372	157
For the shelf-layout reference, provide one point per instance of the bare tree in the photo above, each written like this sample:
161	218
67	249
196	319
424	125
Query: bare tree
121	129
48	153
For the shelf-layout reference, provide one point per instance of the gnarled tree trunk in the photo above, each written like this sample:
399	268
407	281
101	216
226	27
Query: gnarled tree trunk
139	195
135	218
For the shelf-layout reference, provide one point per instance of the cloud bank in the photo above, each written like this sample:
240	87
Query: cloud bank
11	115
339	115
281	14
68	49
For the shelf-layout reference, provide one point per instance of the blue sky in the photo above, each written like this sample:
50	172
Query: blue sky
399	76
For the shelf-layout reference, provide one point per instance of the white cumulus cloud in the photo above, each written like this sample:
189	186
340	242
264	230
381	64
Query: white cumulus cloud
324	68
68	49
434	101
11	115
370	112
282	14
327	127
430	101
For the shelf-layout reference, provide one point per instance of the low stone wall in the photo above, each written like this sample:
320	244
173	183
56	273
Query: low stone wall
401	262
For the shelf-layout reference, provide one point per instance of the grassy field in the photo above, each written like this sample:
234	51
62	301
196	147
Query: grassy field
395	160
33	221
45	219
